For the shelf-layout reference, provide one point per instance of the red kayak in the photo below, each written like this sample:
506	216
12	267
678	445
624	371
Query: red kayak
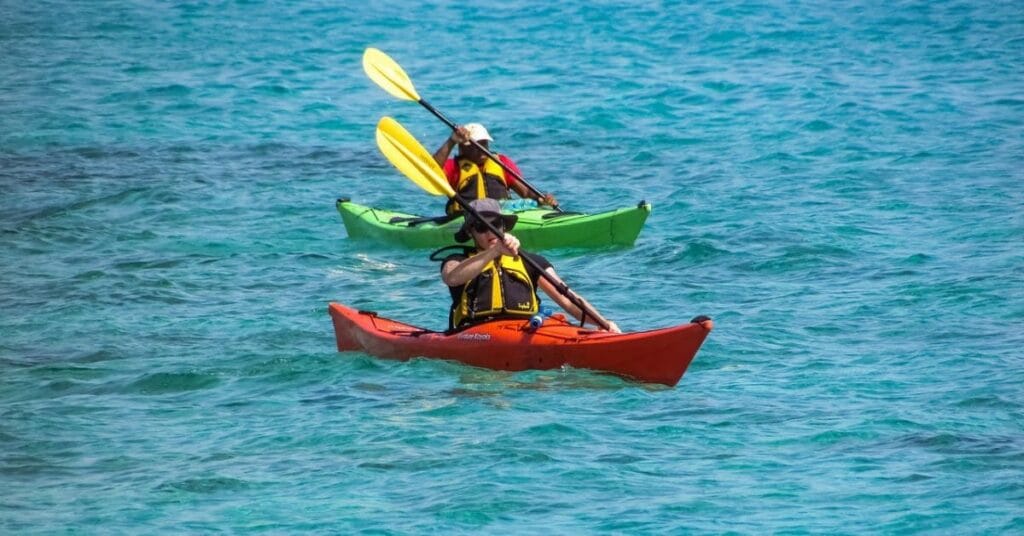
657	356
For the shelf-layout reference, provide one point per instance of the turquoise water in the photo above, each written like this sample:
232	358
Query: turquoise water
839	186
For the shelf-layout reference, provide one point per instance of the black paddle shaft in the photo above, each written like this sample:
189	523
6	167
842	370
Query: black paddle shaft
562	288
489	154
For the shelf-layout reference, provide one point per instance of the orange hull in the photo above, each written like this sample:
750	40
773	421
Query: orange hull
657	356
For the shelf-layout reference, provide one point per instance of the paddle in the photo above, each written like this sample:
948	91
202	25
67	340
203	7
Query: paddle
387	74
413	160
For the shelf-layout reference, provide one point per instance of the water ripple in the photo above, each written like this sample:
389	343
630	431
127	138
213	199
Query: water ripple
837	185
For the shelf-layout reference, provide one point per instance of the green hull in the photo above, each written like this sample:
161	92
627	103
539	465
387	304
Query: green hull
537	228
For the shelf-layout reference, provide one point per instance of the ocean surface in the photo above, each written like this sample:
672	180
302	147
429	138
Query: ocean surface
839	185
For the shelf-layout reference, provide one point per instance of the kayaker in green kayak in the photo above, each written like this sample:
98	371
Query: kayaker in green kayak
475	176
492	281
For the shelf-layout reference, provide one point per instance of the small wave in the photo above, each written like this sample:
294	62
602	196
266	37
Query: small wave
818	126
162	383
1008	102
727	36
206	485
172	90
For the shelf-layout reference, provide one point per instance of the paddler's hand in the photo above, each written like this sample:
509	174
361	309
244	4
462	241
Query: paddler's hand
613	327
460	135
548	199
510	246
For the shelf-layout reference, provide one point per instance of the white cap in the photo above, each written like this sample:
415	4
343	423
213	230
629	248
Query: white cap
477	132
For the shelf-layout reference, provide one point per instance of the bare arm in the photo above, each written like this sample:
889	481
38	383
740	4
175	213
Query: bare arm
522	190
455	273
459	135
442	152
571	308
526	193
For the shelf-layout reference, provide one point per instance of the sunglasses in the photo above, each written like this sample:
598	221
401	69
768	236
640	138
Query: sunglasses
481	227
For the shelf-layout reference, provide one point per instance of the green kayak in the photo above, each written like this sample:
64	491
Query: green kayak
537	228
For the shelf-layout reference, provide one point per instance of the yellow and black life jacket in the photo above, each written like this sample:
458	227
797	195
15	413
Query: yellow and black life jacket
475	183
502	289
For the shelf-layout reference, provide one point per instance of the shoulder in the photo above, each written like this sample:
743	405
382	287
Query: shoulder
510	164
540	260
456	257
447	262
450	253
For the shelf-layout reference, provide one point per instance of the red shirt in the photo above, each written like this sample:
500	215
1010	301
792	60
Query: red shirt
452	171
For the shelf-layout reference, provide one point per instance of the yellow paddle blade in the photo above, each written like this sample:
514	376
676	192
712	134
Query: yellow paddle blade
388	74
406	154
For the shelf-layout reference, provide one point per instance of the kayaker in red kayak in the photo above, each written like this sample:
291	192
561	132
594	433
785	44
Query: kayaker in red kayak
475	176
492	281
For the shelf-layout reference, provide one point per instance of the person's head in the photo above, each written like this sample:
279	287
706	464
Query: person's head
489	210
479	134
